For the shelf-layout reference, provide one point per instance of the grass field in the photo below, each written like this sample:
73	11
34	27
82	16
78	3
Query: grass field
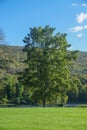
43	118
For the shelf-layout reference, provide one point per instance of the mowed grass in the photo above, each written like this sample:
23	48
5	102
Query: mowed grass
43	118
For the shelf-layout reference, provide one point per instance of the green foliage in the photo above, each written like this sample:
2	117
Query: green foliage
18	94
4	101
11	59
48	64
80	66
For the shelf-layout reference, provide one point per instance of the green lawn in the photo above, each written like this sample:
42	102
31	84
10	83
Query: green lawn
43	118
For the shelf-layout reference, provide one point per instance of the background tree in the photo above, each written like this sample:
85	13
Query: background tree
48	61
8	88
73	93
2	37
18	94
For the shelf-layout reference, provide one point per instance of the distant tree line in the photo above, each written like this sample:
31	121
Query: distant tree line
46	74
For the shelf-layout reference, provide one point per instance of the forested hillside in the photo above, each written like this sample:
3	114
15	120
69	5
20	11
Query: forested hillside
80	66
12	57
12	62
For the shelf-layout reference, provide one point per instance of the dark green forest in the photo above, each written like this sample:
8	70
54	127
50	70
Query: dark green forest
27	73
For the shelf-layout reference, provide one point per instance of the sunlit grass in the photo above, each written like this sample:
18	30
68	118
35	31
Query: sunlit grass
43	118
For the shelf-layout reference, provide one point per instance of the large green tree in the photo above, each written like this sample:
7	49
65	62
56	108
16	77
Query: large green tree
48	65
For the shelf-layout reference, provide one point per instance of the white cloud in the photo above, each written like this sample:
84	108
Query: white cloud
79	35
85	27
78	28
81	17
84	5
74	4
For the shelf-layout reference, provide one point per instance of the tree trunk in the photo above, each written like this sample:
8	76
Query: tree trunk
44	103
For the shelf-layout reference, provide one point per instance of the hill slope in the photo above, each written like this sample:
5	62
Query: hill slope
80	65
12	57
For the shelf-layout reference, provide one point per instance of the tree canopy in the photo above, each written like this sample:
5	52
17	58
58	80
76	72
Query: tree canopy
48	65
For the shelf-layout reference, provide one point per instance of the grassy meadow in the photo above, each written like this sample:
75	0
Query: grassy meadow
43	118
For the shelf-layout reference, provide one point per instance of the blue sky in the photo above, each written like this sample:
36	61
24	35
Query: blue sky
67	16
